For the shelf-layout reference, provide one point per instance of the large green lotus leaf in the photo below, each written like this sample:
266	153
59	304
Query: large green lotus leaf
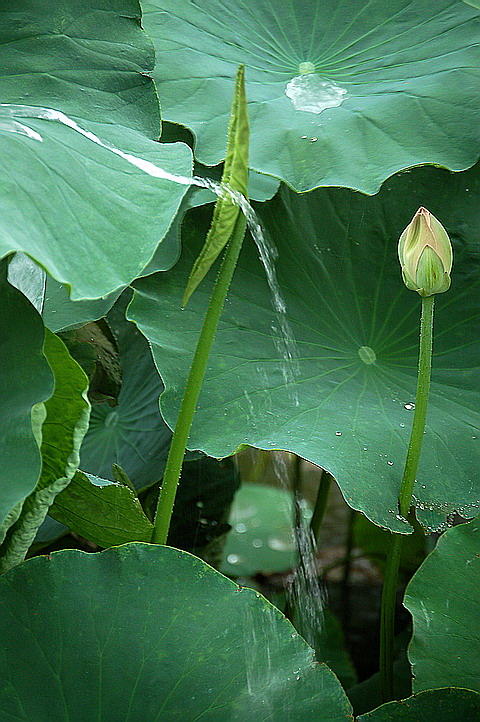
444	599
87	214
340	93
434	705
344	399
144	632
102	511
26	380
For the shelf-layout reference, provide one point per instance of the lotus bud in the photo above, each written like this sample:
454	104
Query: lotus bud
425	254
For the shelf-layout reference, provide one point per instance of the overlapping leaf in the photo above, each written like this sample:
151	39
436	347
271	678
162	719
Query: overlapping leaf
435	705
444	599
91	216
156	634
104	512
26	381
344	400
340	93
66	420
132	433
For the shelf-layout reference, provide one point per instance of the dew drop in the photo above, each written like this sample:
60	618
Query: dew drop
338	433
390	463
233	559
257	543
241	528
410	406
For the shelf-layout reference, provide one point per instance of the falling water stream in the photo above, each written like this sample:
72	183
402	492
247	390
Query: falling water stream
306	592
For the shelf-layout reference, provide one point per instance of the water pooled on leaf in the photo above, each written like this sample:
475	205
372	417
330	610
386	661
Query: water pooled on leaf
313	94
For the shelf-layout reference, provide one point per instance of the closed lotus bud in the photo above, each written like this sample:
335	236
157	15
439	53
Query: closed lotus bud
425	254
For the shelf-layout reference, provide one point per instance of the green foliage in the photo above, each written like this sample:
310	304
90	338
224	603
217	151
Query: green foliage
26	381
102	511
402	89
234	177
341	96
67	412
339	276
262	538
443	599
435	705
131	433
374	541
69	203
161	635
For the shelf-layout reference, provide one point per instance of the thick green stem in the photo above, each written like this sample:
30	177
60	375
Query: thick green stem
387	622
320	504
173	468
347	568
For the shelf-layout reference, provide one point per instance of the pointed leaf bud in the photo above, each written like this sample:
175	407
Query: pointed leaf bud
425	254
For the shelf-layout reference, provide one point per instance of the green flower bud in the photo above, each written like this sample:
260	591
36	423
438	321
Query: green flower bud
425	254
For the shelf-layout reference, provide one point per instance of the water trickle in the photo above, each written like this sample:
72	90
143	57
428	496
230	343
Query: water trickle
284	340
261	644
13	126
313	94
305	593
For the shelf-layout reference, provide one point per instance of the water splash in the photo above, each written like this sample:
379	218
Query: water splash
283	336
305	592
313	94
260	645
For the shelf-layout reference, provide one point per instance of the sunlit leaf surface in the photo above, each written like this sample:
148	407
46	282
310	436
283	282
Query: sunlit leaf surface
88	215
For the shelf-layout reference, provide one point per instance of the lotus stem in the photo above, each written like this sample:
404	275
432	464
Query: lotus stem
387	622
168	491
